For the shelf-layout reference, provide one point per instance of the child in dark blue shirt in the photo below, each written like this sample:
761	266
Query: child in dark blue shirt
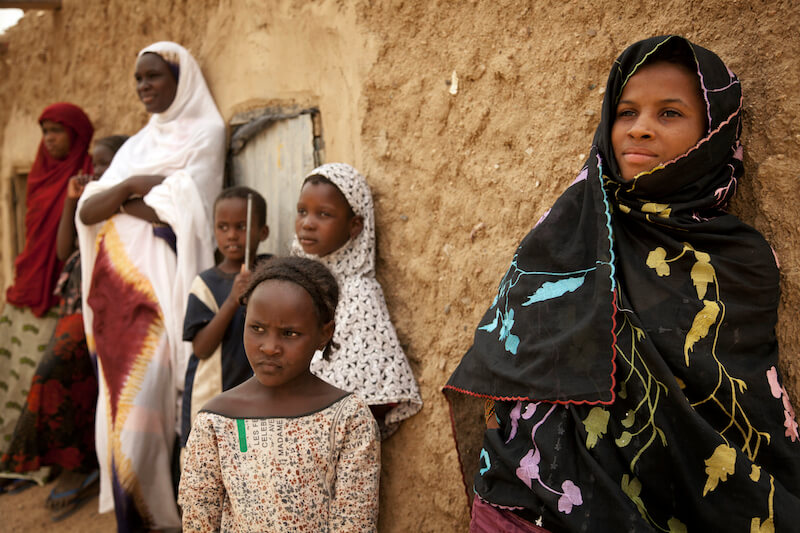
214	320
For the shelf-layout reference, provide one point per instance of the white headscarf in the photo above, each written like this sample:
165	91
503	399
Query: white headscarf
185	143
189	136
369	361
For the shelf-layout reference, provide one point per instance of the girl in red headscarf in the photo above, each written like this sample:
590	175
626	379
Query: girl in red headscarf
63	152
28	321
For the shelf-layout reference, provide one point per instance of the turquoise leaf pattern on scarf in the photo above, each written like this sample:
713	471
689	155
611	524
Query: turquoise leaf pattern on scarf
506	323
554	289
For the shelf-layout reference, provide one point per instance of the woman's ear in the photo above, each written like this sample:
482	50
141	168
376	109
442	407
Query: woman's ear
262	236
356	226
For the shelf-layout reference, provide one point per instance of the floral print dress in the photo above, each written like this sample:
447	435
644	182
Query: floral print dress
317	472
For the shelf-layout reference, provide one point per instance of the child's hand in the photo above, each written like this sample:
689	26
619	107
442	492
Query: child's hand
240	283
76	185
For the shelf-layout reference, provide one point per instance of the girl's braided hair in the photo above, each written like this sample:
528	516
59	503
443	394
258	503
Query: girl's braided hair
312	276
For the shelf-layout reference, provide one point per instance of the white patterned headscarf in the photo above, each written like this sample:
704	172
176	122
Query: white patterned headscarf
369	361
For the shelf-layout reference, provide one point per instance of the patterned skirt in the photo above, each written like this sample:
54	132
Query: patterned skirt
23	342
56	425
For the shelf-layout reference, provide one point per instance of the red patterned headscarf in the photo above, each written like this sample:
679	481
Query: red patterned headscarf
37	267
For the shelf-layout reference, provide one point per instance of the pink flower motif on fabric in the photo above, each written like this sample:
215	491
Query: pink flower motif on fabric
778	391
515	414
774	387
514	417
582	175
529	410
542	218
529	465
572	496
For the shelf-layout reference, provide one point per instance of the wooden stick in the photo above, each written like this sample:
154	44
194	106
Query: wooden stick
247	237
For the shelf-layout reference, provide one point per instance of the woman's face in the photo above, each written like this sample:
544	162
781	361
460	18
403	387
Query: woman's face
660	115
56	139
155	83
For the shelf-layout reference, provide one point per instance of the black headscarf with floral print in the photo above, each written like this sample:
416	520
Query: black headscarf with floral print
552	332
631	345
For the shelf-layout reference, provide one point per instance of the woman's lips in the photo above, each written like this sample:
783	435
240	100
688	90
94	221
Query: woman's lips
269	365
638	156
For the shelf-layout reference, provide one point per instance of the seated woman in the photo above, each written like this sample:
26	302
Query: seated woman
630	352
56	427
145	233
29	319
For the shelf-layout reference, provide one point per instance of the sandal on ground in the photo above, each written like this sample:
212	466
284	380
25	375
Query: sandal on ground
17	485
63	504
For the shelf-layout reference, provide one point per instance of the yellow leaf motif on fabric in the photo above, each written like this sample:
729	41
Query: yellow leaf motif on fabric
704	319
681	384
768	525
624	208
629	420
676	526
662	210
632	488
719	466
702	274
656	260
757	527
663	437
755	473
623	439
596	425
701	256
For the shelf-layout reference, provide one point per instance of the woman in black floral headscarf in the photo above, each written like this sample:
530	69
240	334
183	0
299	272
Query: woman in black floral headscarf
630	353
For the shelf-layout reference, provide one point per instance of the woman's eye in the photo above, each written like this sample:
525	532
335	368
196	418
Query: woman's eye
256	328
671	113
301	212
290	333
626	113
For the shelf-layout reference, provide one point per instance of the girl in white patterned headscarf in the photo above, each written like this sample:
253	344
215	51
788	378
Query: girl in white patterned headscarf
336	225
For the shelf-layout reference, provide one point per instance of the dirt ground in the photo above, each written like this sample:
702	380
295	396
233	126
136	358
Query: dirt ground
26	512
458	179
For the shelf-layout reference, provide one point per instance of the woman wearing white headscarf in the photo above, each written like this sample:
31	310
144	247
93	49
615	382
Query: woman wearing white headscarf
145	232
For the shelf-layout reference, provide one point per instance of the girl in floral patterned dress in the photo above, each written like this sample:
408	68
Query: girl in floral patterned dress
284	451
630	354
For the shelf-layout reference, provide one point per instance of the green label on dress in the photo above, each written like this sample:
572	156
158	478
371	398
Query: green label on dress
242	435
